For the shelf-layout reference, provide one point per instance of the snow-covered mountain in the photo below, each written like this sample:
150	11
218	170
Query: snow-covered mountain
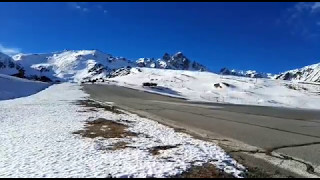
79	65
309	73
8	65
177	62
70	65
248	73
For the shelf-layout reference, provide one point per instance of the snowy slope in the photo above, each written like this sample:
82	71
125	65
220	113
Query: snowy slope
206	86
12	87
309	73
7	65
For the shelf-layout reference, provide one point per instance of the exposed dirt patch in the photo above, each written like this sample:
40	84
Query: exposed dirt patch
88	110
119	145
205	171
93	105
105	128
156	150
182	130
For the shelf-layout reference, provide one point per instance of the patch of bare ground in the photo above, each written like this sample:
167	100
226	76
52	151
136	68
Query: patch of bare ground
93	105
119	145
204	171
156	150
110	129
105	128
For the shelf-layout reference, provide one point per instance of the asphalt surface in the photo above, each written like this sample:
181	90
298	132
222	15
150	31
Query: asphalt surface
295	132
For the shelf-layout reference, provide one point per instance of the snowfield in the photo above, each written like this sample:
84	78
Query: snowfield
210	87
12	87
37	141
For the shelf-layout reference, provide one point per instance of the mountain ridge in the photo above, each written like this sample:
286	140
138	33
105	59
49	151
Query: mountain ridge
310	73
78	65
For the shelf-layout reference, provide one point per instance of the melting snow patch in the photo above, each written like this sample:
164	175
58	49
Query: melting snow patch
37	140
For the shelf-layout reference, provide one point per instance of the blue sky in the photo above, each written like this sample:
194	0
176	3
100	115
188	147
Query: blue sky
268	37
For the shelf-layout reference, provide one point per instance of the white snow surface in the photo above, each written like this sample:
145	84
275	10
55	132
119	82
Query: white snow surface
200	86
37	141
13	87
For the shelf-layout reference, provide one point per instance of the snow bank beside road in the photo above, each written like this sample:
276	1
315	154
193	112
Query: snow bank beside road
37	140
12	87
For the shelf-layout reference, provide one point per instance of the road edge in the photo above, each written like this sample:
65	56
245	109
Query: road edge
251	157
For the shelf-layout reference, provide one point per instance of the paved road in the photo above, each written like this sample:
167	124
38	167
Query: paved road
295	132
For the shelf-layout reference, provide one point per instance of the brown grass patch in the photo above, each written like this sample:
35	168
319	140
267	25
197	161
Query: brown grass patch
205	171
119	145
156	150
105	128
93	105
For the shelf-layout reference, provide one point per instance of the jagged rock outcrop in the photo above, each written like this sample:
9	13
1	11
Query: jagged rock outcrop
308	73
